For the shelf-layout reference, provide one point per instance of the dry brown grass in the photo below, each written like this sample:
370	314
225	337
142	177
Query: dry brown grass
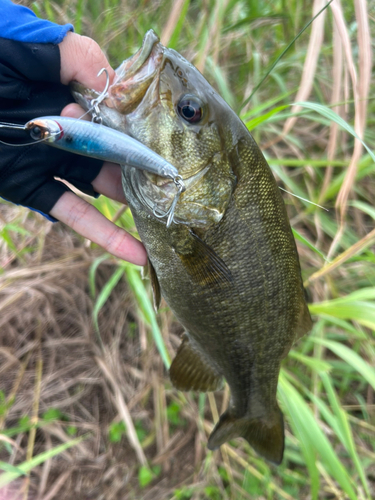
50	357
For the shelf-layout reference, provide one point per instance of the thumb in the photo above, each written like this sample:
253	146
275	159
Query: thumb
81	60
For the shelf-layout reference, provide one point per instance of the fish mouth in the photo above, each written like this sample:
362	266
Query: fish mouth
135	75
133	78
130	66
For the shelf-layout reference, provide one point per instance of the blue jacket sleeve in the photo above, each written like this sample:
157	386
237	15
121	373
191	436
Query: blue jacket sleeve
30	86
20	24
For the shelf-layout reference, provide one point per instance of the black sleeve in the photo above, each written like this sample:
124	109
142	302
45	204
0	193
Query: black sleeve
30	87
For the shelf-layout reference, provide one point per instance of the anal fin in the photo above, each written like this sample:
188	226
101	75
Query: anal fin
191	372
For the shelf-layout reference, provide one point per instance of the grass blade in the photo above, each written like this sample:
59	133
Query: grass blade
345	429
147	309
11	468
92	273
312	440
105	293
169	37
282	54
254	122
27	466
331	115
351	357
365	207
306	242
354	306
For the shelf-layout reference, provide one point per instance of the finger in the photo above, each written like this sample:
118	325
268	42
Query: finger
90	223
108	182
81	60
75	111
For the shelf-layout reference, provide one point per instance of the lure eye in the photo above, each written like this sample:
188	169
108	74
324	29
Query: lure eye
190	108
36	133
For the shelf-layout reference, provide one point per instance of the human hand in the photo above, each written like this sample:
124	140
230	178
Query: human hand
27	174
81	60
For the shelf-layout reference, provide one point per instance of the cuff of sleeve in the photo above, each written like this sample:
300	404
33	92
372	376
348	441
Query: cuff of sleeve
47	216
45	198
64	30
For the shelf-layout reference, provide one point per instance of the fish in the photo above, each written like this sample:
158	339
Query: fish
227	266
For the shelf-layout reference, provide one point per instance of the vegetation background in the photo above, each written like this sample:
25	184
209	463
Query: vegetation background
86	407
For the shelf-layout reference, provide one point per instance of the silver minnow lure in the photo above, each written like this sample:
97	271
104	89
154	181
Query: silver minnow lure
98	141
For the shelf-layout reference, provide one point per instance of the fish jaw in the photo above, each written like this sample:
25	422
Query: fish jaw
130	66
133	79
135	75
85	96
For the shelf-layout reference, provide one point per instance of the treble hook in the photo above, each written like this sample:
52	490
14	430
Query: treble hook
95	102
178	180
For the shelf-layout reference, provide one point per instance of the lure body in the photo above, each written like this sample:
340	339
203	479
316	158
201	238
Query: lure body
100	142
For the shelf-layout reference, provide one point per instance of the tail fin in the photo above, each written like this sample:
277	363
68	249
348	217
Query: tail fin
265	435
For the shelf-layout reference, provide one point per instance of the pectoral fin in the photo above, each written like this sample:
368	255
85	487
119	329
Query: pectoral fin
265	435
203	264
154	285
191	372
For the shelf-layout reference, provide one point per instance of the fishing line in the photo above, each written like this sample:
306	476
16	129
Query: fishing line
54	134
95	116
22	127
304	199
179	182
282	54
98	119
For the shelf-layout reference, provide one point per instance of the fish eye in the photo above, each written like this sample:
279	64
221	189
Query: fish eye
190	108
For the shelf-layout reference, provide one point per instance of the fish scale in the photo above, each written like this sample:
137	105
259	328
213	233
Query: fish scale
228	266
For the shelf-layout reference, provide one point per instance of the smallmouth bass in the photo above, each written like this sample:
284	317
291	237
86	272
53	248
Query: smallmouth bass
228	266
